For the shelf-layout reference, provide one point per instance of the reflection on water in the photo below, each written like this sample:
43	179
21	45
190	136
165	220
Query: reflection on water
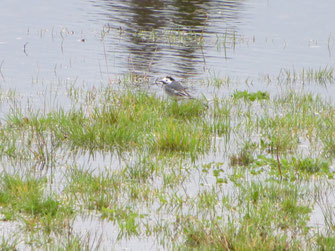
137	15
200	18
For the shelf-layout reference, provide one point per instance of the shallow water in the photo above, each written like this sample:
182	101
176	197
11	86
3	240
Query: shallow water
55	43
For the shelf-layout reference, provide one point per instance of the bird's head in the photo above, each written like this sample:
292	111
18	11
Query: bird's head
167	80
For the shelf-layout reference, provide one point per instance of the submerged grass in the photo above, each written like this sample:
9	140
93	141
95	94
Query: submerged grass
25	196
161	186
93	191
266	216
322	76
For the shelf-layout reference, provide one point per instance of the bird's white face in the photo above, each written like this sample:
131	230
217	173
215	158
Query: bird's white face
167	80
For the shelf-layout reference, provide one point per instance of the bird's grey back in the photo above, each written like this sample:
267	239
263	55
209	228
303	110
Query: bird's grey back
177	86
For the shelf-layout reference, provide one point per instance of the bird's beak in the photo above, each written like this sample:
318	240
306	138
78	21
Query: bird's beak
158	81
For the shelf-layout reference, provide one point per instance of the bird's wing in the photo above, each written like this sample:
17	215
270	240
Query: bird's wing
182	93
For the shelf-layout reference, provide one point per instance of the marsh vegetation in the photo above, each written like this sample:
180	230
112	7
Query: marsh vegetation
247	173
94	157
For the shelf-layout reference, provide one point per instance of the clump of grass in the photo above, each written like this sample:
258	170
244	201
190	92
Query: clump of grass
221	118
294	166
240	235
186	110
105	190
279	134
171	136
9	244
27	138
326	242
207	200
143	170
19	196
245	157
267	216
93	191
75	241
326	127
172	37
320	76
183	37
7	95
134	78
310	165
216	81
274	209
251	96
126	218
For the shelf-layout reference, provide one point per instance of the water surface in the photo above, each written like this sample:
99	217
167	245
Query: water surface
57	42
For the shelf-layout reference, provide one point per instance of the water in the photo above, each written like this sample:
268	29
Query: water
50	44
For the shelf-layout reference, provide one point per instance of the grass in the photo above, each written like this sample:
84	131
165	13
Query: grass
25	196
321	76
266	213
95	192
251	96
326	243
126	218
126	122
244	157
237	175
131	121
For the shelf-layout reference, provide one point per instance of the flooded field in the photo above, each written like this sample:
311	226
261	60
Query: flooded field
94	156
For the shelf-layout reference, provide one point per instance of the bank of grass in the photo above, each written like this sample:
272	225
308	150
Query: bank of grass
128	121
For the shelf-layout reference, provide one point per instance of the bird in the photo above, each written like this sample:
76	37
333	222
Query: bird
175	89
